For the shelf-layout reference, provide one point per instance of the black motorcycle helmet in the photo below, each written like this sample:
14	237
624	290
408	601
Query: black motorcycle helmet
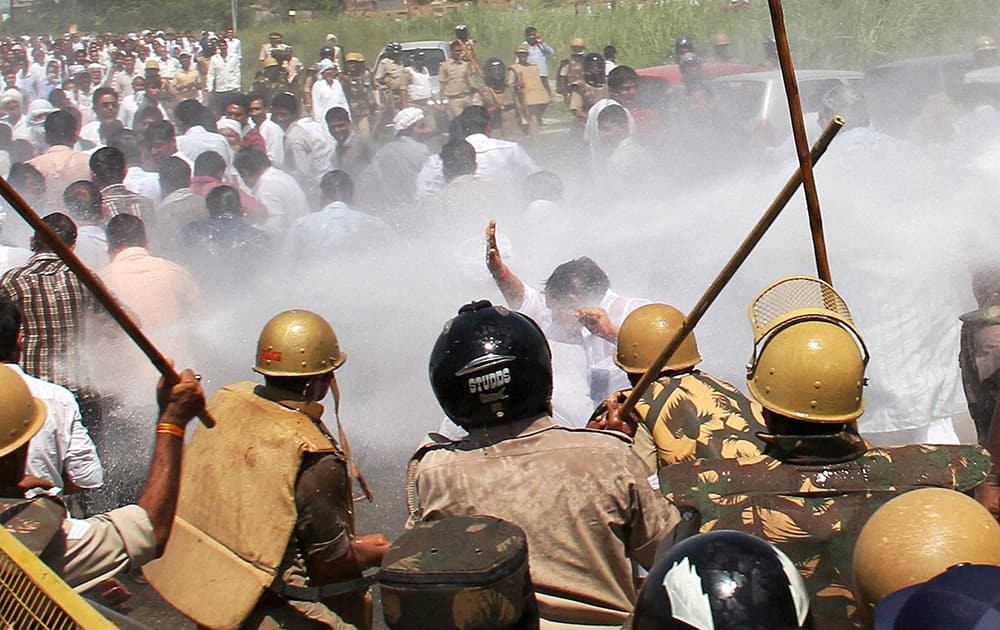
393	49
593	63
724	580
490	366
326	52
494	70
682	45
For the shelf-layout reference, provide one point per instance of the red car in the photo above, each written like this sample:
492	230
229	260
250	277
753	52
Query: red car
655	85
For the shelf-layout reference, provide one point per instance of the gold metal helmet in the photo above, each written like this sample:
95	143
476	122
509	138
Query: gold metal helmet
354	56
809	360
984	43
646	332
577	42
298	343
21	415
918	535
270	62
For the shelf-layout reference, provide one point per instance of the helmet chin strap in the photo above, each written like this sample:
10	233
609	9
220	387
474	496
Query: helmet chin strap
344	444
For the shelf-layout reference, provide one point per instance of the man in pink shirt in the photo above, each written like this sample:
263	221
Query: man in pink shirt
60	165
161	294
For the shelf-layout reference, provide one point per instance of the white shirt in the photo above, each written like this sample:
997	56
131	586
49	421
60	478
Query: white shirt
591	133
144	182
498	162
11	257
605	376
419	88
283	197
91	132
235	46
131	105
224	75
92	246
62	446
326	95
168	66
311	148
198	140
274	140
334	229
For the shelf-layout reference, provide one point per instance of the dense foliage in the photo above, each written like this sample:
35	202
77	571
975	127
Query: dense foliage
852	34
824	33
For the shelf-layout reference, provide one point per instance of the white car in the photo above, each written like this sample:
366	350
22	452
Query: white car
758	103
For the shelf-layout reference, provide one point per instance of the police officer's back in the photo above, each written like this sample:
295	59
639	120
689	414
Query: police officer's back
582	497
264	534
684	414
817	482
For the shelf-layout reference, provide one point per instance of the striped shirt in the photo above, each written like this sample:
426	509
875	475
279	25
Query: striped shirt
54	302
116	199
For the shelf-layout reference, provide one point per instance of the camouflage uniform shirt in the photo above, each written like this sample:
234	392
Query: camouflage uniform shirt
811	495
582	498
694	416
359	96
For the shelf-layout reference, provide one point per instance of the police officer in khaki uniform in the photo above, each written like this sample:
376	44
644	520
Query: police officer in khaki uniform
571	70
592	89
528	84
508	118
685	414
91	551
817	482
491	371
359	93
455	78
264	534
391	80
468	44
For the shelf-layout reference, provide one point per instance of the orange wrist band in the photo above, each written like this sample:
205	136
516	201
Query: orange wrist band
167	428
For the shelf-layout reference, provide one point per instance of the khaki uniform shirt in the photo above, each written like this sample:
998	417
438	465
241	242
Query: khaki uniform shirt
582	498
83	552
584	95
508	120
390	74
187	83
455	78
570	74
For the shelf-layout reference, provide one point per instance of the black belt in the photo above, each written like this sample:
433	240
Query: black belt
319	593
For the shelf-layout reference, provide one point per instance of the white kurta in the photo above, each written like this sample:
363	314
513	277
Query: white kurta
326	95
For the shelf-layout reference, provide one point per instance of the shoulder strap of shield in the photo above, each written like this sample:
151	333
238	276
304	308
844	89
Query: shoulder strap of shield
437	442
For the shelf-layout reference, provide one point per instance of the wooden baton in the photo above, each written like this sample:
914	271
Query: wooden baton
727	273
96	286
